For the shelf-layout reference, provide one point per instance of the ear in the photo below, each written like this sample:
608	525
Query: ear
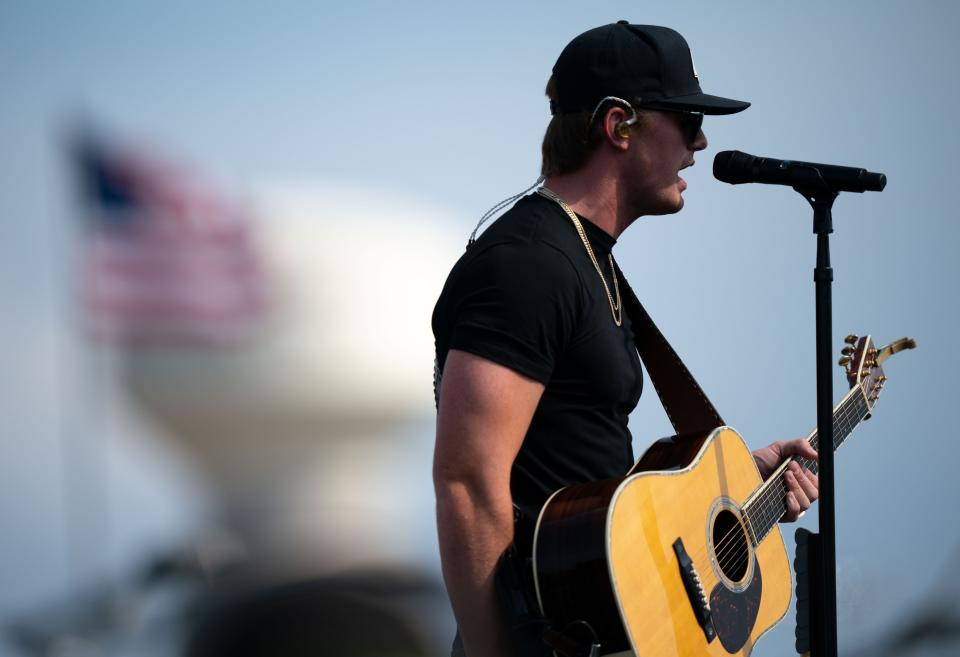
616	128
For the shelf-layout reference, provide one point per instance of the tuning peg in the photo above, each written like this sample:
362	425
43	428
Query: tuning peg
851	339
847	351
843	362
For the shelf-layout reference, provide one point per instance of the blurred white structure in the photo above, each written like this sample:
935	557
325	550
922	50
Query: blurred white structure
318	433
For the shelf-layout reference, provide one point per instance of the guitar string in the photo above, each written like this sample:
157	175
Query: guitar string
731	562
843	415
769	505
733	550
723	546
852	409
846	410
770	515
848	415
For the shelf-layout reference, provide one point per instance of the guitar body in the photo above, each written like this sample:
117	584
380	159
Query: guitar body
683	557
612	554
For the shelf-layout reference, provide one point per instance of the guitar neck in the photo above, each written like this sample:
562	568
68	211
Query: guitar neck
767	504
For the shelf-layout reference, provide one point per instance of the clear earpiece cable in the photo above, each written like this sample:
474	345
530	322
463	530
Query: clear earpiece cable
496	208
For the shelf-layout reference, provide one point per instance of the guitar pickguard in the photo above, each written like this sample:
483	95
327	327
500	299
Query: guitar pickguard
735	613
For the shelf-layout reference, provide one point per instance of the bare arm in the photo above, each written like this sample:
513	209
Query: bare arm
485	410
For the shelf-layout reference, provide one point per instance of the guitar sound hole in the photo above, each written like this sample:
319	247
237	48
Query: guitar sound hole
730	546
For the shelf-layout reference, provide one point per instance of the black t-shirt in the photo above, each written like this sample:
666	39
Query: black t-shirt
527	296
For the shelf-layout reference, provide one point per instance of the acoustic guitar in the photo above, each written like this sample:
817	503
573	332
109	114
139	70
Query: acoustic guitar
683	556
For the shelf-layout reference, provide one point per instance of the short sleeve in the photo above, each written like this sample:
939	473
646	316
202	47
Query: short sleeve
517	305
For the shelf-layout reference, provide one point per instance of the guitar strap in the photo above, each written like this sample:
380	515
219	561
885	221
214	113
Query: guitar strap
682	398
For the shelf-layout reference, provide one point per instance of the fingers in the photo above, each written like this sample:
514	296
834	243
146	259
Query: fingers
793	508
794	488
798	447
803	487
814	482
802	491
808	482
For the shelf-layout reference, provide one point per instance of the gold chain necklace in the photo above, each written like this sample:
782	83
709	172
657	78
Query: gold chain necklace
615	309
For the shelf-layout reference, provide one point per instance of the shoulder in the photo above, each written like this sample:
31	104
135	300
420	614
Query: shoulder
515	297
533	240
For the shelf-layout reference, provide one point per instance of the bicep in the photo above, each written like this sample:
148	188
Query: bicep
484	412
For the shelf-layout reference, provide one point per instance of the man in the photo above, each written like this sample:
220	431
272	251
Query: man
539	368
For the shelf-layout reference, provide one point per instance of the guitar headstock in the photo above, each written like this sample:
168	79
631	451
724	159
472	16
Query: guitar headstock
862	361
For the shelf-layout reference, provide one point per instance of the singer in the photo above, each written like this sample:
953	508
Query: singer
537	370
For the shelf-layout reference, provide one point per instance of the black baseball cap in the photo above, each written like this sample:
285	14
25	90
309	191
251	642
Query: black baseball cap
648	62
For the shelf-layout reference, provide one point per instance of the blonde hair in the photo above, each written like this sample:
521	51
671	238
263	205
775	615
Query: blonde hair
570	139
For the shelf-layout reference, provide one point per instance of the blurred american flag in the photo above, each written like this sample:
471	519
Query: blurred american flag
164	259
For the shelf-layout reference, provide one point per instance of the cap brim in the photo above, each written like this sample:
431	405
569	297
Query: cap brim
702	103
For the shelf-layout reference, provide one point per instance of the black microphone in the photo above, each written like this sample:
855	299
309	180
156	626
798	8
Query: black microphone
735	168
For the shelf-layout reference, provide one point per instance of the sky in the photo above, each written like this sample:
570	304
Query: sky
441	105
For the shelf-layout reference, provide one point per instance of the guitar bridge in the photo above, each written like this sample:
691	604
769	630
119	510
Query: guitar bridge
695	593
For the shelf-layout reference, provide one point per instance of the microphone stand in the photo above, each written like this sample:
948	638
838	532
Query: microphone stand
823	606
818	558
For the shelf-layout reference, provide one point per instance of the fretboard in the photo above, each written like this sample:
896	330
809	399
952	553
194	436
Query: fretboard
767	504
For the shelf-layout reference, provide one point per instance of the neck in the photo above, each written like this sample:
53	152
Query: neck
595	195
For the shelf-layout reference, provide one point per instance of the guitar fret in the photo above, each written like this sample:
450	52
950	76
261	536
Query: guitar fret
769	505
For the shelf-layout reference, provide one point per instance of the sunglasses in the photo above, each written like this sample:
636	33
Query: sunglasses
690	122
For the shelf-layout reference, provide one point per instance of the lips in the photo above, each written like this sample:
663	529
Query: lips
683	183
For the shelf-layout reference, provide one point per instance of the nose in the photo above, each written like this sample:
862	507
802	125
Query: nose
700	142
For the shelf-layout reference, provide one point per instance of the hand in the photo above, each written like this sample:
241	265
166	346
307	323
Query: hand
802	485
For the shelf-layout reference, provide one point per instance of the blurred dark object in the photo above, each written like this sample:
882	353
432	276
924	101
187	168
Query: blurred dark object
210	600
106	617
349	616
931	630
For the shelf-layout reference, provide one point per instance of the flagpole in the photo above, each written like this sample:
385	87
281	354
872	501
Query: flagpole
85	499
